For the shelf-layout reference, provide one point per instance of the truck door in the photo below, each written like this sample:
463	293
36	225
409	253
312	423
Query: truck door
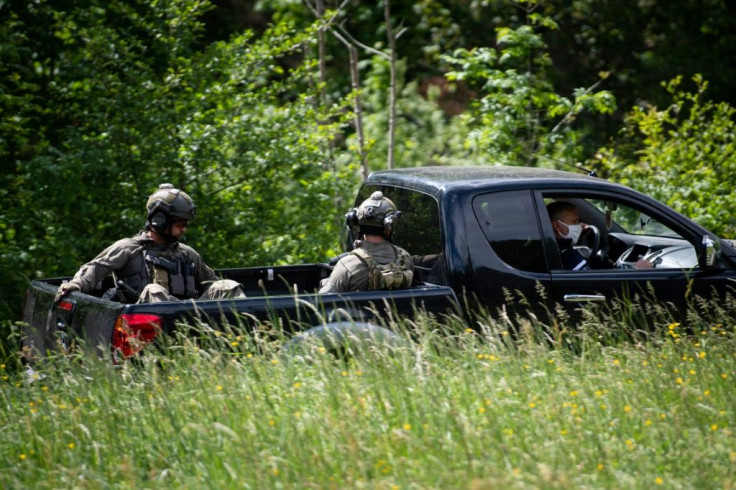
509	266
644	255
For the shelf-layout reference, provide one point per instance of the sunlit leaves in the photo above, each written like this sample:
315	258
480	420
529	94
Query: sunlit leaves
684	155
518	113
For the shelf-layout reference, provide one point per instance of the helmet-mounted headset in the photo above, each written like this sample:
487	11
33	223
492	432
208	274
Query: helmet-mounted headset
377	215
166	203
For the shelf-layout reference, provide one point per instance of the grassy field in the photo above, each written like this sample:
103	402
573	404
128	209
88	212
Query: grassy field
471	410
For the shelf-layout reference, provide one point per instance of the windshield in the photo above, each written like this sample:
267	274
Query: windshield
632	221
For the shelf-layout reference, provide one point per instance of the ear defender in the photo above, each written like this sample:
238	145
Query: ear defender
158	220
351	218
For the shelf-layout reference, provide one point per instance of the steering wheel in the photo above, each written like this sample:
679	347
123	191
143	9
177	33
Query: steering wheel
590	242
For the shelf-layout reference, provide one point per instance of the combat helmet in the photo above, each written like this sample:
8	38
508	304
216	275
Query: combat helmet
377	215
164	204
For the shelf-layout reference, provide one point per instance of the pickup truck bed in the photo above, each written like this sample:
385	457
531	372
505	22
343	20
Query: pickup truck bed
284	296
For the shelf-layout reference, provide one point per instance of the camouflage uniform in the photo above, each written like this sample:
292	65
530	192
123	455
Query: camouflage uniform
351	273
127	260
152	272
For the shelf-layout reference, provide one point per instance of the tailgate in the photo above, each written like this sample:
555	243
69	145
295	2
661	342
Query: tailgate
84	319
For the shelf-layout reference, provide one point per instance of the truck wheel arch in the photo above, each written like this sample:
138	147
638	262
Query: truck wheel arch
344	339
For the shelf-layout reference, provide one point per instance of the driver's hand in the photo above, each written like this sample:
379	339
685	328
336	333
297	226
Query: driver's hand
643	264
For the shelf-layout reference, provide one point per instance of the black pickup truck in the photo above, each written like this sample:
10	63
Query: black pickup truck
475	233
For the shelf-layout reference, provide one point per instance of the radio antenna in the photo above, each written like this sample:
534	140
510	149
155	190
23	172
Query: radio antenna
590	172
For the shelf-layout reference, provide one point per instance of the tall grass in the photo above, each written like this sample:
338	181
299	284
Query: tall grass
506	404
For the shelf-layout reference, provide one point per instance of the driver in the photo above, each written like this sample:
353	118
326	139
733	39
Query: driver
568	228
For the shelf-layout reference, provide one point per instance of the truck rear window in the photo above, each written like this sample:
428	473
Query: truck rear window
419	229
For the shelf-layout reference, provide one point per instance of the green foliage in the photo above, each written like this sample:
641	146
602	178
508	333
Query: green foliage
638	43
425	135
86	111
254	146
641	44
518	114
683	155
102	101
449	408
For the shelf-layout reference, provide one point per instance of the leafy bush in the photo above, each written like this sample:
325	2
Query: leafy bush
683	155
105	100
518	114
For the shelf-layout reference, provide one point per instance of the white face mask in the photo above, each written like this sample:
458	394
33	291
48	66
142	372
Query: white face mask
573	232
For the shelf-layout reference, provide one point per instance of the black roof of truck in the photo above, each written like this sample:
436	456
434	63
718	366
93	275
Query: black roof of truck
438	179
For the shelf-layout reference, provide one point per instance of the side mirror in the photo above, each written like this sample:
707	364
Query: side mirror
709	252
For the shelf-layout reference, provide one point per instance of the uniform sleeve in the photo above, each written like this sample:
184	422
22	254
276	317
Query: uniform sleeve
109	260
338	281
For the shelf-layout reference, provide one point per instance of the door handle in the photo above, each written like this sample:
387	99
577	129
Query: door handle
584	298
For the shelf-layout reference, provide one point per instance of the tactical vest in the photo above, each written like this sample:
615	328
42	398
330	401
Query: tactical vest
394	275
175	274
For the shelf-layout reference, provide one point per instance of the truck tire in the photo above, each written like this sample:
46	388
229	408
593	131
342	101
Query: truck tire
345	340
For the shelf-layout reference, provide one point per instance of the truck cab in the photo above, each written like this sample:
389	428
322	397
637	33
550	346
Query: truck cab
486	232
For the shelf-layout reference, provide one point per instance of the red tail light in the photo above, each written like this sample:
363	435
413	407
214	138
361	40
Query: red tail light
65	305
132	333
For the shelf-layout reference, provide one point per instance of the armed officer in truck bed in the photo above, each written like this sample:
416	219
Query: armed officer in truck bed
374	263
154	265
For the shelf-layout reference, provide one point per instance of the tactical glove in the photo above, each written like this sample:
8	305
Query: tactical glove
65	289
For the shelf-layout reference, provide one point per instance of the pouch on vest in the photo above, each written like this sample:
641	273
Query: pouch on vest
394	275
182	283
168	274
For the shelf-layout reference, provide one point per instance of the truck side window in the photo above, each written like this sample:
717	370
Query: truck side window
629	232
509	222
